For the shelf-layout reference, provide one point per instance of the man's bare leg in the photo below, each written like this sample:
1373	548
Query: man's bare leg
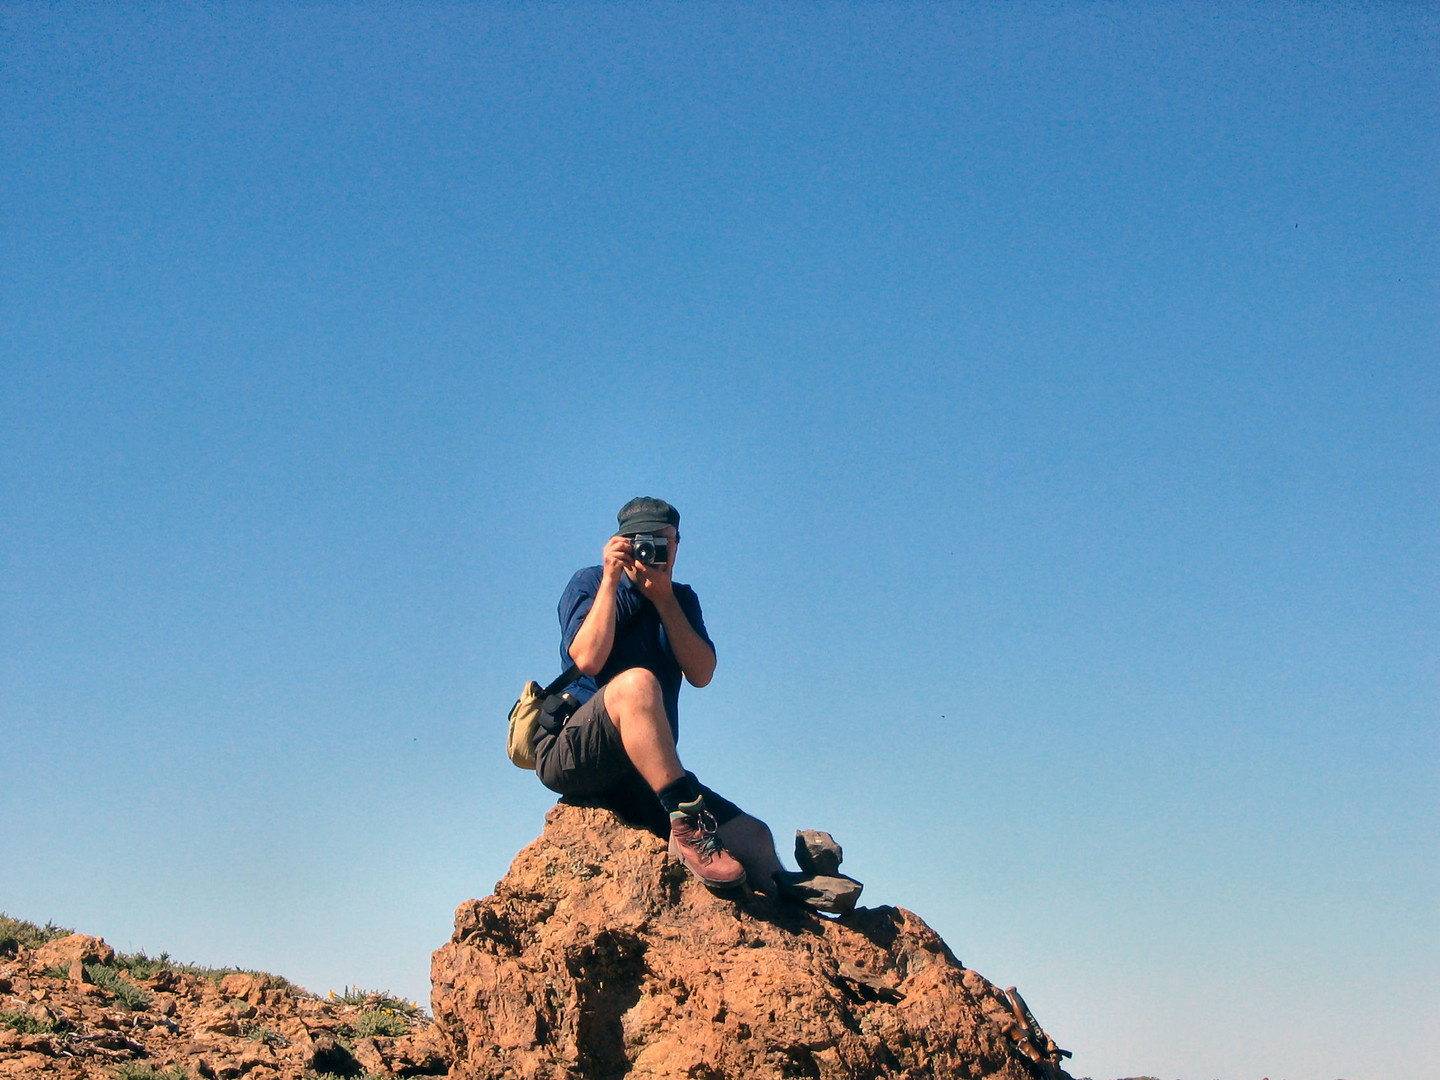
637	709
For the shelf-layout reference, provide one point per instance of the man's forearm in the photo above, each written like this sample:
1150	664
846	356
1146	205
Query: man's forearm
696	657
592	643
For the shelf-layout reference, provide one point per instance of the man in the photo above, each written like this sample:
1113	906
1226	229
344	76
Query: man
634	632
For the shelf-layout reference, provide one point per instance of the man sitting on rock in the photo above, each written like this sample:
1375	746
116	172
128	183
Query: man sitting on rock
633	632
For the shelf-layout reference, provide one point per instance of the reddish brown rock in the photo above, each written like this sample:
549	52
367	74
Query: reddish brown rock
329	1055
63	952
368	1055
421	1053
243	986
598	957
216	1020
251	1026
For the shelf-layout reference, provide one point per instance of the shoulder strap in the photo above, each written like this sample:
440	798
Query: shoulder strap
570	674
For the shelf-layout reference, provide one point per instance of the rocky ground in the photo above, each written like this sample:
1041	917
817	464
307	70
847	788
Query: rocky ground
598	957
73	1008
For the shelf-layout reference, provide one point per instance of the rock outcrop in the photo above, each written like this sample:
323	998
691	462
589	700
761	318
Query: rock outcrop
597	958
69	1010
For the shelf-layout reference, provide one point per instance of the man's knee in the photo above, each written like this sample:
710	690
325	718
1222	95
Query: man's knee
634	693
634	690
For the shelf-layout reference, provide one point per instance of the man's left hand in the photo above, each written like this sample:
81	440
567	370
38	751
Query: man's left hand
654	582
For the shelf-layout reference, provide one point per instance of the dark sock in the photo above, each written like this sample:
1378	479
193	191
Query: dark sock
684	790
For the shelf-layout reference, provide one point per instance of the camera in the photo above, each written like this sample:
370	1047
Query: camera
650	550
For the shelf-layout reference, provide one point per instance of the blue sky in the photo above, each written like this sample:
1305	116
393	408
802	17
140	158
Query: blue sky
1050	393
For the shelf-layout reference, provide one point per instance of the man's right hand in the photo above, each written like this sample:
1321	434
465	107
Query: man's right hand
596	636
616	560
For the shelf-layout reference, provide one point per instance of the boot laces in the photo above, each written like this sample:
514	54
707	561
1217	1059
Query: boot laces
704	839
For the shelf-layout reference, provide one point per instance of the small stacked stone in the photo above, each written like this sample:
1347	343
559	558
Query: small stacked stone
820	885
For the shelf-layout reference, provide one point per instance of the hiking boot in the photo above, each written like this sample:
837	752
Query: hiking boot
695	843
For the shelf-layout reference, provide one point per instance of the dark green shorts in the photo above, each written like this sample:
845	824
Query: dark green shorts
586	762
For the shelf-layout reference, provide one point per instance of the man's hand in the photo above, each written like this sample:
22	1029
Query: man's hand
653	582
615	560
596	636
696	657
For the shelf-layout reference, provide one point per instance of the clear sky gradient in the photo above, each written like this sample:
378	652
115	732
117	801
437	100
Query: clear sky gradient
1050	393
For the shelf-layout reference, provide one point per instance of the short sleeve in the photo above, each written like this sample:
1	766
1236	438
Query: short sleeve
575	604
690	605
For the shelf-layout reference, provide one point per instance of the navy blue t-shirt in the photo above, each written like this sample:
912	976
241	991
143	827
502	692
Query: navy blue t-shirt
643	644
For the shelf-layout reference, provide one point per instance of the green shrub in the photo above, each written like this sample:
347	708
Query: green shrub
136	1071
25	1024
139	966
257	1032
375	1022
109	979
16	934
375	999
